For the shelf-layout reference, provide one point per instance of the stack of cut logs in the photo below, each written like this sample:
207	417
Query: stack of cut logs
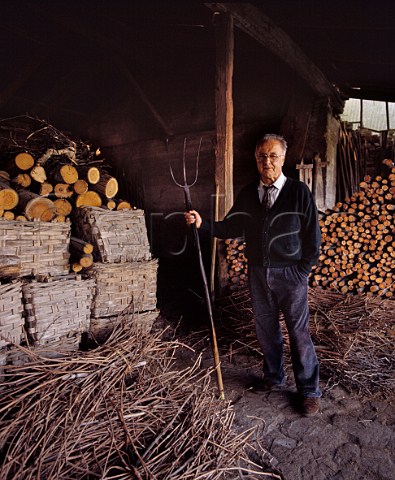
358	240
50	187
237	263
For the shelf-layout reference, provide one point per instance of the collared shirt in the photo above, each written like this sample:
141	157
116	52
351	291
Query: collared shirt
273	192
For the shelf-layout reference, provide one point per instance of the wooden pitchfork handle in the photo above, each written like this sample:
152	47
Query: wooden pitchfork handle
188	205
217	362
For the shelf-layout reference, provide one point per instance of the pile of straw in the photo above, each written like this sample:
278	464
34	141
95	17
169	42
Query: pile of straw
121	410
353	334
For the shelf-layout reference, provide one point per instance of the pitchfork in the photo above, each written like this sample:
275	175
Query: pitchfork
188	204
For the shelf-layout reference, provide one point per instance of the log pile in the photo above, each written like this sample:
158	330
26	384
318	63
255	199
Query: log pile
358	240
50	191
72	220
44	175
237	263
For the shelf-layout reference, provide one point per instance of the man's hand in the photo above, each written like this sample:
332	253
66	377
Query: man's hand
193	217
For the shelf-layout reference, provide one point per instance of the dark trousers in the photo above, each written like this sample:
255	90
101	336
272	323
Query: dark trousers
284	289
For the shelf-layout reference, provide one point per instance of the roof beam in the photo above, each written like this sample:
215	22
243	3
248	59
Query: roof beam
259	26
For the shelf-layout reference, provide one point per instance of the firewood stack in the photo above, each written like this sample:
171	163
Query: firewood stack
51	186
48	183
358	240
237	263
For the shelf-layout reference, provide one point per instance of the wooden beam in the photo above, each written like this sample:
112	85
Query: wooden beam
224	35
224	112
260	27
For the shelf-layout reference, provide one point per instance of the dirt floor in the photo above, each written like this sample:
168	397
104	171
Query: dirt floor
352	438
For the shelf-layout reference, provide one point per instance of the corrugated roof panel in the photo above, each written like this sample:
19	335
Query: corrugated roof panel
391	109
374	115
352	111
373	112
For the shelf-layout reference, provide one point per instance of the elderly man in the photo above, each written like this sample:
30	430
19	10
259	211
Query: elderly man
278	218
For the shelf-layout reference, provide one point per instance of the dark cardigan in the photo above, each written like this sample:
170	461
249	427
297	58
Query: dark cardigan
287	235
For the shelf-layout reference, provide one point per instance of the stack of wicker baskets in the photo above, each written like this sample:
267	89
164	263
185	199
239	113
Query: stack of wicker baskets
40	302
11	309
45	305
124	273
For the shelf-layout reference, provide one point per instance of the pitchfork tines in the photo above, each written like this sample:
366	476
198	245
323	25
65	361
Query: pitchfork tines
185	185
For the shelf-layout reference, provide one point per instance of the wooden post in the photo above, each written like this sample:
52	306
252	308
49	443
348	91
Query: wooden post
306	173
318	182
224	126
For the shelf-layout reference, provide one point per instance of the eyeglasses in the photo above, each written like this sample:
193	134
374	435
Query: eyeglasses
263	156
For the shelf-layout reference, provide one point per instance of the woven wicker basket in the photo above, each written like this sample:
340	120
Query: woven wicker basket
117	236
57	309
123	287
11	310
3	362
141	323
42	247
61	348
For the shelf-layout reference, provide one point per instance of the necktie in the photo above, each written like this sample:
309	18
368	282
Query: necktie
266	197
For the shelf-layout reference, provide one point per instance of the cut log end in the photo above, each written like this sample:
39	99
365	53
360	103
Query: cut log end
24	161
38	174
8	197
69	174
88	199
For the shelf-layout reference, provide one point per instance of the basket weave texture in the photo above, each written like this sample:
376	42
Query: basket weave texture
141	322
57	309
42	247
123	287
11	318
117	236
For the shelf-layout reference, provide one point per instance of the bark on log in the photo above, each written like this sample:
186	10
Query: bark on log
36	207
68	152
90	174
8	197
107	186
4	176
80	246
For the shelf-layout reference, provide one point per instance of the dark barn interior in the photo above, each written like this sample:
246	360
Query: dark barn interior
136	78
150	83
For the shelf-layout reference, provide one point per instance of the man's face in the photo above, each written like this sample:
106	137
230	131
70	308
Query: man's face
270	158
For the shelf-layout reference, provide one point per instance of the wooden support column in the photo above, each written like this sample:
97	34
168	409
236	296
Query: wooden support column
224	127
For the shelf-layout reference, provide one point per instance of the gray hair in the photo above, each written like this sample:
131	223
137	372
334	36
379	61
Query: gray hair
272	136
